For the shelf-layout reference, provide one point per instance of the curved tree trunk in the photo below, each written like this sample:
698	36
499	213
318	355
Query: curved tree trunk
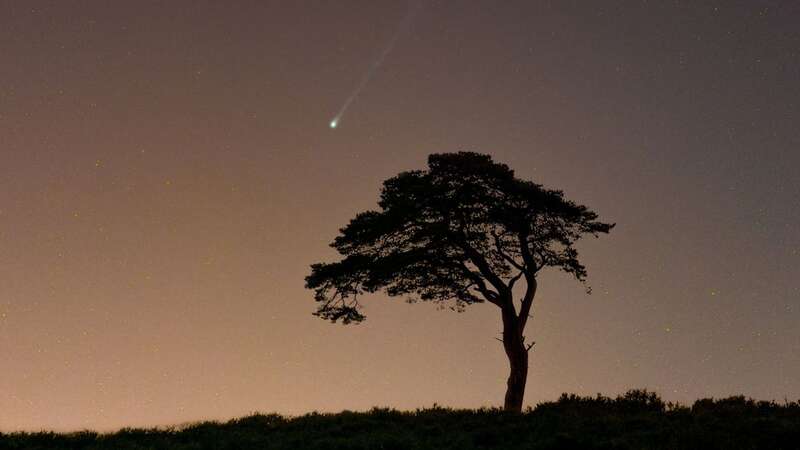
514	345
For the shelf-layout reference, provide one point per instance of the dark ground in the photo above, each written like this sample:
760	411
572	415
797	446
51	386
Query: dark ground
636	420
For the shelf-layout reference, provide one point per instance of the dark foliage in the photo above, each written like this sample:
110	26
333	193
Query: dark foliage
463	231
635	420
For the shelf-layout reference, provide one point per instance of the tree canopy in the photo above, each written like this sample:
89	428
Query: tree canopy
463	231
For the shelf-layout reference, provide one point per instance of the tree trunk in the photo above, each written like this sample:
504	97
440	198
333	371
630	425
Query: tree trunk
517	360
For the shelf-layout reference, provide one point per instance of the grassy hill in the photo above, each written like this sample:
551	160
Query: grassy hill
635	420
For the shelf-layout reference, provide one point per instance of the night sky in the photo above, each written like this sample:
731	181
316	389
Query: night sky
168	174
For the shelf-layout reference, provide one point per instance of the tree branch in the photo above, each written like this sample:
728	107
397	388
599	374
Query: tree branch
513	280
527	302
525	251
483	266
499	247
488	294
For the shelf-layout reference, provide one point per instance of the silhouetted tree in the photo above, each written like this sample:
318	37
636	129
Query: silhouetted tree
464	231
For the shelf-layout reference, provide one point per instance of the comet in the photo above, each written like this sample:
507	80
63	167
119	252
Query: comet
376	63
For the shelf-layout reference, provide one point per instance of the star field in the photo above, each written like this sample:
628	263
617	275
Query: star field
169	171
